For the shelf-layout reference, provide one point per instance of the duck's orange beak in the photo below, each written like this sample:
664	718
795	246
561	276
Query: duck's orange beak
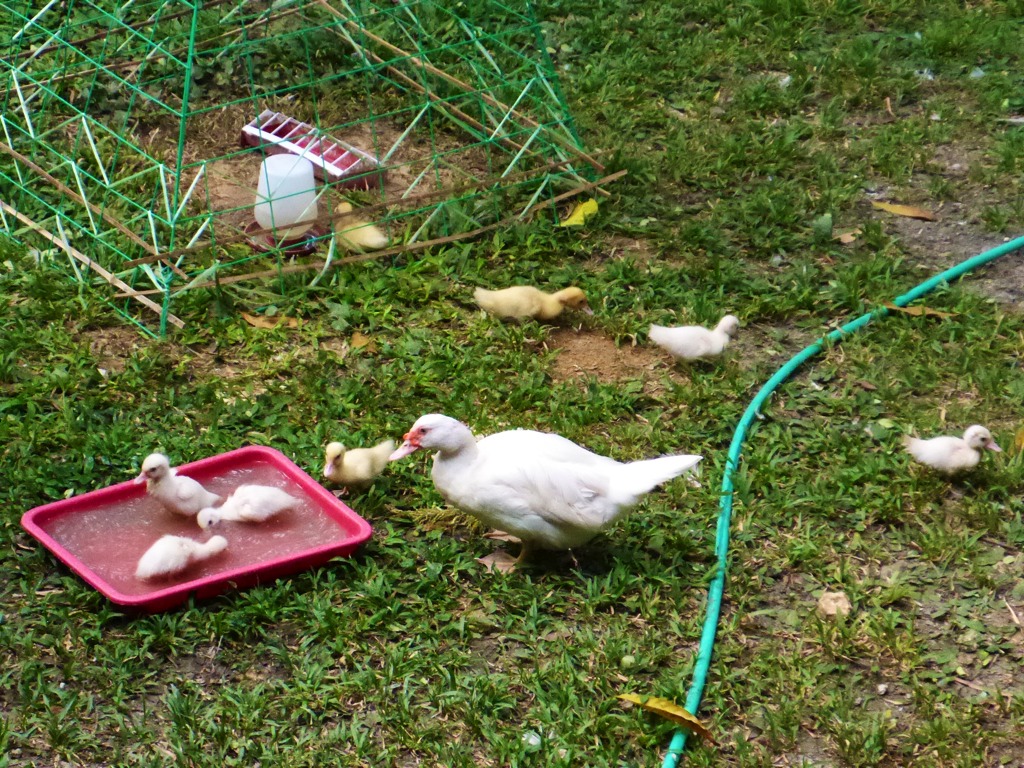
410	445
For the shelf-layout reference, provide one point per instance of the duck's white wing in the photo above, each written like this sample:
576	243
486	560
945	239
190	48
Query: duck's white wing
533	473
188	490
516	444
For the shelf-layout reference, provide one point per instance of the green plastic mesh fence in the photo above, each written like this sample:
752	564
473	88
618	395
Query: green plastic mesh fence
133	134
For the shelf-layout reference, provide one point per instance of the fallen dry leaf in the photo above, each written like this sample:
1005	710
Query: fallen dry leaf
847	236
1018	440
670	711
499	560
259	321
362	341
918	311
910	211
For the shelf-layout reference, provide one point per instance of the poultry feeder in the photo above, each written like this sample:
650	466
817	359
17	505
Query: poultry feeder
101	535
286	206
333	160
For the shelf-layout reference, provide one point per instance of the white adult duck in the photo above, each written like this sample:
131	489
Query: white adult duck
543	489
692	342
176	492
171	555
249	504
951	455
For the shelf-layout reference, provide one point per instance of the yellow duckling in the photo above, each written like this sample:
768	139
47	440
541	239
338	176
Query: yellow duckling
355	234
356	466
527	301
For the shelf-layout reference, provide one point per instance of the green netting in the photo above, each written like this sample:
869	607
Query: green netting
124	143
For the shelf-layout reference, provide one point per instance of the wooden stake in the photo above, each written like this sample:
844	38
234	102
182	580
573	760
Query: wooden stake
409	202
449	78
78	199
110	278
408	248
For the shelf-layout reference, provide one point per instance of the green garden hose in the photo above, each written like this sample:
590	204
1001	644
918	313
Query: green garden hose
717	587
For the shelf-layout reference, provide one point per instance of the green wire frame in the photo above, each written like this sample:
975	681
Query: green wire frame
121	129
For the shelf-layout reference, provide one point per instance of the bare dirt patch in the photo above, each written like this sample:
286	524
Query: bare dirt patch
585	354
111	347
759	343
959	232
622	247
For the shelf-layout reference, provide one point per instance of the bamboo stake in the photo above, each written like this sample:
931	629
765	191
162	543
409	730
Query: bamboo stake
451	107
74	196
411	201
449	78
408	248
110	278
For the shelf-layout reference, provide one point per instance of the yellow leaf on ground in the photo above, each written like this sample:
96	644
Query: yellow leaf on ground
671	711
910	211
259	321
362	341
1018	440
846	237
578	215
919	311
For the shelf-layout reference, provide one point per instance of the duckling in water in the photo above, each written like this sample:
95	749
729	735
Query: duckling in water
249	504
178	493
171	555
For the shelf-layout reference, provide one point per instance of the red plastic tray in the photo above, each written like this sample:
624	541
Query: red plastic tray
102	534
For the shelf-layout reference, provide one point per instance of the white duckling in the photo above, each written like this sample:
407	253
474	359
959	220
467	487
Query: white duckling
545	490
249	504
692	342
951	455
356	466
527	301
176	492
171	555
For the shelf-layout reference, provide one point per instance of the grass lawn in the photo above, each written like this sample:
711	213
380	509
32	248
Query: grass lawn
742	125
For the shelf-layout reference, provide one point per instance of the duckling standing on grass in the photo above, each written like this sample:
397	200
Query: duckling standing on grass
249	504
692	342
527	301
355	234
173	554
356	466
178	493
951	455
